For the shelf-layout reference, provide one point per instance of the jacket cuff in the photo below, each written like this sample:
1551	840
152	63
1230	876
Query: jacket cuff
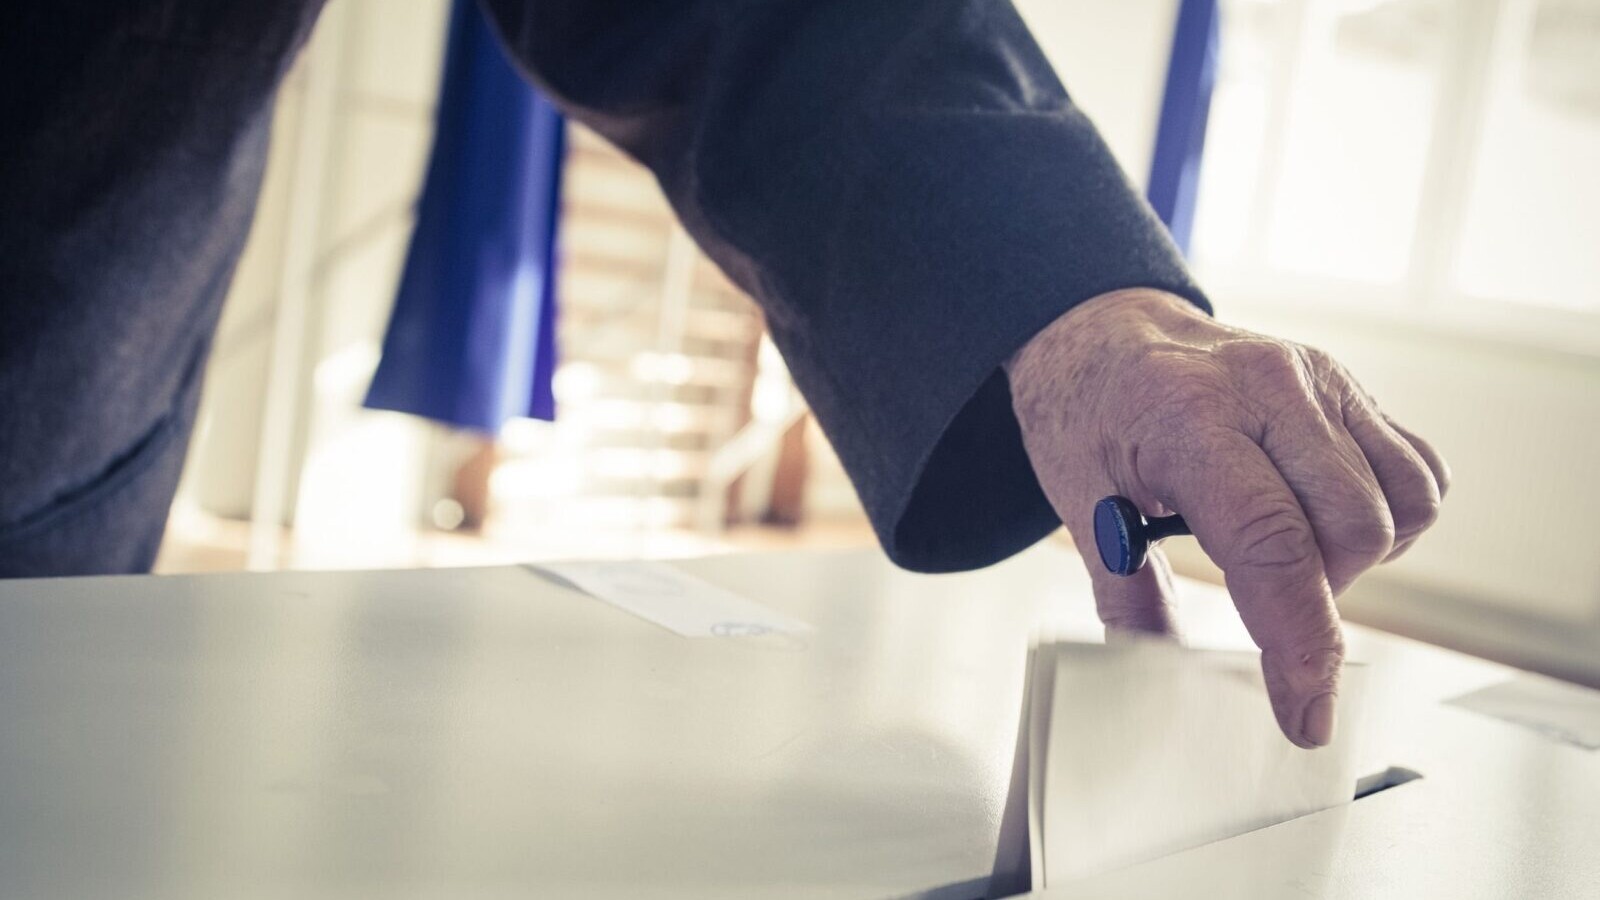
953	261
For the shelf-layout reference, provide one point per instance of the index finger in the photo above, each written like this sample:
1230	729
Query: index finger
1250	523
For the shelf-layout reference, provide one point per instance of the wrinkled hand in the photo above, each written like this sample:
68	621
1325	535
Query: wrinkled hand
1288	474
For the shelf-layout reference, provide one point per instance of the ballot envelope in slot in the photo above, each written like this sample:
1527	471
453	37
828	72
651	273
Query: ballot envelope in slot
1133	751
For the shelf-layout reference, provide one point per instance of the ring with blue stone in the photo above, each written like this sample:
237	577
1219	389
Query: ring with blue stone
1125	536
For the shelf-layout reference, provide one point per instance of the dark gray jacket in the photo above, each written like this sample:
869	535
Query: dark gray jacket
903	185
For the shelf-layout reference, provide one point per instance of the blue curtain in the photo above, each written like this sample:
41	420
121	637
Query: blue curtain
1181	132
471	339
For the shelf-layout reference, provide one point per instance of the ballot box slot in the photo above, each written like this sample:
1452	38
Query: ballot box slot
1394	776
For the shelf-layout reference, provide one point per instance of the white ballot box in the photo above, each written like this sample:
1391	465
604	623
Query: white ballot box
820	725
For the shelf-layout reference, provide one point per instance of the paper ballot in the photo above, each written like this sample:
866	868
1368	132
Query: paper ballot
672	598
1140	750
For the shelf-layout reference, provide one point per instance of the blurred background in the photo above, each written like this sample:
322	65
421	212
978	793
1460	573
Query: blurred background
1412	185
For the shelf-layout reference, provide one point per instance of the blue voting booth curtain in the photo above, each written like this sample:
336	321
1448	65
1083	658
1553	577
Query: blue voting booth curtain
471	339
1181	132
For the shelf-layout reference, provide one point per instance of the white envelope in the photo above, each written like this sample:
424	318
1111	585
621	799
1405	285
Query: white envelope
1138	750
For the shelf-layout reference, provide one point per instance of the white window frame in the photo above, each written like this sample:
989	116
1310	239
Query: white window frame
1482	57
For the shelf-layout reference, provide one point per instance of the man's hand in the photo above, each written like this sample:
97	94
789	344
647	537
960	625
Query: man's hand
1289	475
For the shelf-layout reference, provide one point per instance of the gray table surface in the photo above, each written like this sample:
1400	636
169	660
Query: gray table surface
480	733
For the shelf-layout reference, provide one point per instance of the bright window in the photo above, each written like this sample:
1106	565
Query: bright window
1530	232
1439	155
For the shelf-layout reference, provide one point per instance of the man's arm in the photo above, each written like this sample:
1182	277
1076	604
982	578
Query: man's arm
909	194
925	218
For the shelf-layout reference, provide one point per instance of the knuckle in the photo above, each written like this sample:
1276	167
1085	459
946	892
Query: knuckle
1281	381
1264	358
1320	642
1316	658
1310	647
1415	513
1164	365
1368	536
1329	376
1443	477
1275	537
1319	358
1178	394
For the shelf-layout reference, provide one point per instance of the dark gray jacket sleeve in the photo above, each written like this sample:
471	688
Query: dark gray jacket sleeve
904	187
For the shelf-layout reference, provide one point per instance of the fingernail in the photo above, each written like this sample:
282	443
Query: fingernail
1317	725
